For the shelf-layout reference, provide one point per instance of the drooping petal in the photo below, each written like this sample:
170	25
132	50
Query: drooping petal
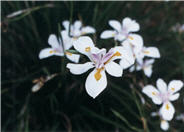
114	69
174	97
136	40
87	30
132	68
78	69
36	87
130	25
148	70
93	86
84	45
153	93
167	111
164	125
73	57
66	24
152	52
48	52
174	86
115	24
53	42
149	62
107	34
77	24
161	85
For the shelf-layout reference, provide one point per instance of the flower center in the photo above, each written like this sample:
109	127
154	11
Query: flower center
164	96
101	64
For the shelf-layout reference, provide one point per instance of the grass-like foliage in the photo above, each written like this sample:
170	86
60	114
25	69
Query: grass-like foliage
62	103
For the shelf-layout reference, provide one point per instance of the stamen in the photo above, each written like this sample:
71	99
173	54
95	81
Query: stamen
115	54
98	74
167	107
68	53
130	37
88	49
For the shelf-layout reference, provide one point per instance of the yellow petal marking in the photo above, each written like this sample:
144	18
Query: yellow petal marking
173	89
68	53
87	49
146	52
113	34
51	51
130	37
167	107
98	74
153	93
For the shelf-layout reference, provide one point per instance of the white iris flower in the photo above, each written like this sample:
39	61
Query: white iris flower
77	30
58	48
163	95
101	61
124	31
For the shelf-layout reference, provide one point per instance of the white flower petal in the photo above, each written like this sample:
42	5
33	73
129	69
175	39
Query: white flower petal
153	93
78	69
107	34
161	85
130	25
132	68
84	45
87	30
127	58
167	111
174	97
114	69
136	40
152	52
53	42
48	52
73	57
126	44
66	24
164	125
149	62
148	70
115	24
95	87
120	37
77	24
67	41
174	86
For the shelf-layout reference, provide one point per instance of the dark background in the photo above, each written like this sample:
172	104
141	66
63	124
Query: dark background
62	104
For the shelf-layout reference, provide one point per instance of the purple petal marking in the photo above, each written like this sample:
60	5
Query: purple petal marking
107	56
